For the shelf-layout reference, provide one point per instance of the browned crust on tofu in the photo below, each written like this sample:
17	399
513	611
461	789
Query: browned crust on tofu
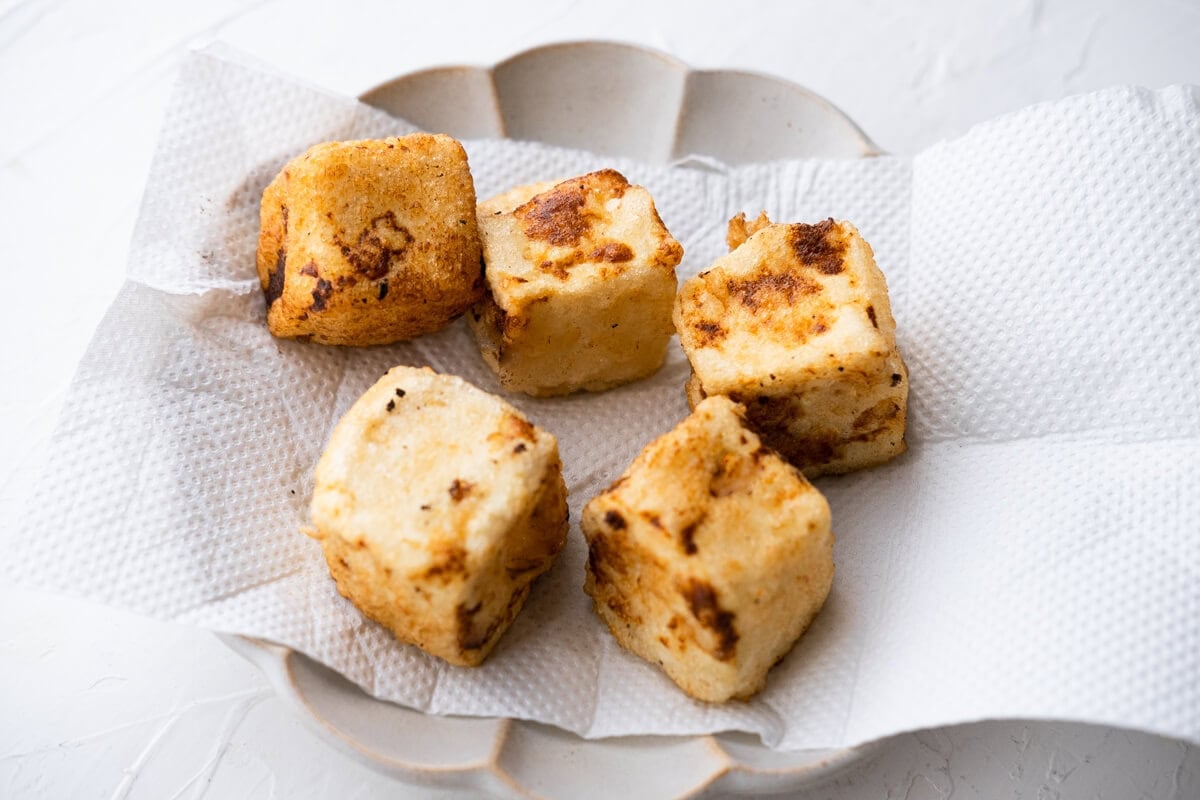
571	217
702	601
563	216
821	247
740	230
709	556
370	242
580	281
795	324
442	556
398	601
768	289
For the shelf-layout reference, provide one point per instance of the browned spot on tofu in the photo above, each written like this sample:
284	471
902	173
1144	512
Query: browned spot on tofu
614	520
736	234
557	216
879	414
557	268
733	474
520	448
871	316
818	246
765	412
769	417
612	252
809	451
275	279
654	520
896	378
560	216
310	269
604	557
818	327
460	489
709	332
493	316
771	289
740	230
618	607
702	601
383	241
449	562
383	290
517	428
465	616
321	295
516	569
669	252
687	537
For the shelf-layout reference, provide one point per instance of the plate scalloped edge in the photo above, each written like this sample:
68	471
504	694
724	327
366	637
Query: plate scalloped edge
626	100
523	759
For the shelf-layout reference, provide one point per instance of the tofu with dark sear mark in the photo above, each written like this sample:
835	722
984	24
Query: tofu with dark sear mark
370	242
581	279
710	555
796	324
436	506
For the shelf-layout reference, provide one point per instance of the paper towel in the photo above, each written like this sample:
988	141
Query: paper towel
1035	554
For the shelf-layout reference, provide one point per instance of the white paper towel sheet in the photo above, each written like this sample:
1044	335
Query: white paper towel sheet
1035	554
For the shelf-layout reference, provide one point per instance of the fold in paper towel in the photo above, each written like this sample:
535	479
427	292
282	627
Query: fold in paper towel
1035	554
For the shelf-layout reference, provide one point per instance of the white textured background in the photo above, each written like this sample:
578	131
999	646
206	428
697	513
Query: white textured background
94	703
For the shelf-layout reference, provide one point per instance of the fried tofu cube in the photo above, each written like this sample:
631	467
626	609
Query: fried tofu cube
710	555
370	242
581	279
796	324
436	505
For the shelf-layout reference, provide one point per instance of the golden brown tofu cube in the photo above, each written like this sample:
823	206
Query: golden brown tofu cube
796	325
370	242
710	556
581	278
436	505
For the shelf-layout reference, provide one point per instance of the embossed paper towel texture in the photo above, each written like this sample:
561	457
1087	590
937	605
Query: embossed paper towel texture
1035	554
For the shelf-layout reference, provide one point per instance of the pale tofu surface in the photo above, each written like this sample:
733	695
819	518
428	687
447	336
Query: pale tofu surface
710	555
581	280
371	241
796	324
437	504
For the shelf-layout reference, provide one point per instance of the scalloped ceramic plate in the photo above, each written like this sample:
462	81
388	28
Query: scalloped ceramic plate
612	99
